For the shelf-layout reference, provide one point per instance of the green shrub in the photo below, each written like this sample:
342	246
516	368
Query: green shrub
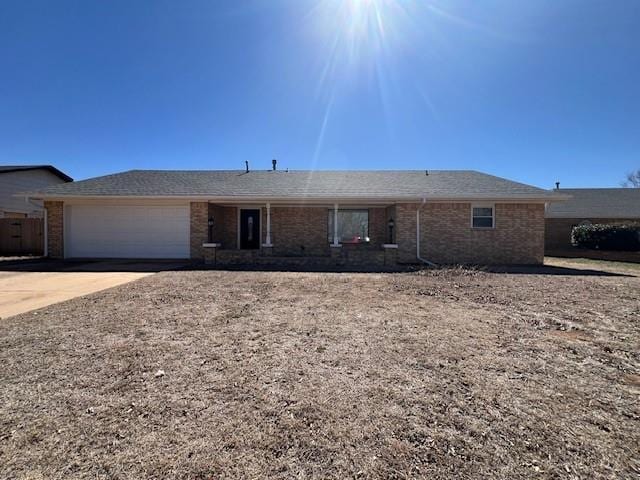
607	237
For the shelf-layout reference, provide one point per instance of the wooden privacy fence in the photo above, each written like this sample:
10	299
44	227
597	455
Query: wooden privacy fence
21	236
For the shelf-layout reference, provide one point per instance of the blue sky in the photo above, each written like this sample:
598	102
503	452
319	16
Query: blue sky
534	91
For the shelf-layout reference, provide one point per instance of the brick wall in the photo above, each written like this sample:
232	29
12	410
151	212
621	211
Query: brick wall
299	231
55	228
216	212
224	225
304	230
446	235
558	230
405	232
390	213
294	230
199	214
378	227
230	229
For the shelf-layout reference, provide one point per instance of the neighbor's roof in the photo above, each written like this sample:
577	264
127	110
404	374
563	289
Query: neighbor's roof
597	203
307	184
50	168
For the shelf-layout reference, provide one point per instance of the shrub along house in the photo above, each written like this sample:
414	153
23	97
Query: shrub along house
357	218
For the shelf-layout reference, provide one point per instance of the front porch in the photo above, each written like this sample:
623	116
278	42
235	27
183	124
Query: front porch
323	235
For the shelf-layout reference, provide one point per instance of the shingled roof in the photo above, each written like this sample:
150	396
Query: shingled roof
597	203
378	184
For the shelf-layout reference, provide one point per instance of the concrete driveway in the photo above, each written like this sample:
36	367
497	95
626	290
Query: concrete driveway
33	285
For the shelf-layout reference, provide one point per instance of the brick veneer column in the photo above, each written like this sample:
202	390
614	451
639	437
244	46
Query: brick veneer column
199	213
405	232
55	229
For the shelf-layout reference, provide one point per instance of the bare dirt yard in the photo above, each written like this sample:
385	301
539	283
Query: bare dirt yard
435	374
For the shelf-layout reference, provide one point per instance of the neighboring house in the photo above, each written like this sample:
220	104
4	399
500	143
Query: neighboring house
588	206
20	178
359	218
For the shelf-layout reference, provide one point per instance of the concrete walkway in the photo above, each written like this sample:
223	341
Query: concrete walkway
24	291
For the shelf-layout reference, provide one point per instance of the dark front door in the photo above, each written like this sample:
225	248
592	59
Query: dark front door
250	229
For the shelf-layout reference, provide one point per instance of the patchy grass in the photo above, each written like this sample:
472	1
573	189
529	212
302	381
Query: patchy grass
435	374
607	265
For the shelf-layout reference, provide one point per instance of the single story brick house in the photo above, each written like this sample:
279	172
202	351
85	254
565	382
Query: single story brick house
588	206
355	218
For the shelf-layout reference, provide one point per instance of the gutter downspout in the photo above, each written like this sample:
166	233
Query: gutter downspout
427	262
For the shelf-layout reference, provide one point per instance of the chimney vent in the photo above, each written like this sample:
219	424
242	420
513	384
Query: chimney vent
246	165
274	162
557	185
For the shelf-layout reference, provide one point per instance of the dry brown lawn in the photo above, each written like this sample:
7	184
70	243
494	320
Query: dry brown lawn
434	374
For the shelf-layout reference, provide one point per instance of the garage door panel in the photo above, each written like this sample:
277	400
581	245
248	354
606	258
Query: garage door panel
127	231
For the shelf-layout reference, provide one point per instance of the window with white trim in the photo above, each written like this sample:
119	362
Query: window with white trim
353	226
482	216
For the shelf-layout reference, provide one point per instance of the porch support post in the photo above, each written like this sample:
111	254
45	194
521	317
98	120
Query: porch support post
268	239
336	236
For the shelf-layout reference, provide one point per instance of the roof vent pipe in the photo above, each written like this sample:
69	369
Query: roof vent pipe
274	162
557	185
246	165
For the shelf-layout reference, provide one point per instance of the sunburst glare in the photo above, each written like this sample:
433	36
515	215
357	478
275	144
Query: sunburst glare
359	45
357	41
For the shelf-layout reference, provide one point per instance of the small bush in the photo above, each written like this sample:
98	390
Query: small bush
607	237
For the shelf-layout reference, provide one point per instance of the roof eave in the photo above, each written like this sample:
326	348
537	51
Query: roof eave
294	198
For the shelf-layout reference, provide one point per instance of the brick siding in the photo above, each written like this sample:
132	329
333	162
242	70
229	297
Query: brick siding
390	213
518	236
405	232
55	228
298	231
199	215
378	227
446	234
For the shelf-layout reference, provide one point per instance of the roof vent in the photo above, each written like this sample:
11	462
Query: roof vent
274	162
557	185
246	165
426	172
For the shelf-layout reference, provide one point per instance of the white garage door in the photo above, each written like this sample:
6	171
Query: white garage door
126	231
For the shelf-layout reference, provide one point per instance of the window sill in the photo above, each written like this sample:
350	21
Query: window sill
351	244
211	245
